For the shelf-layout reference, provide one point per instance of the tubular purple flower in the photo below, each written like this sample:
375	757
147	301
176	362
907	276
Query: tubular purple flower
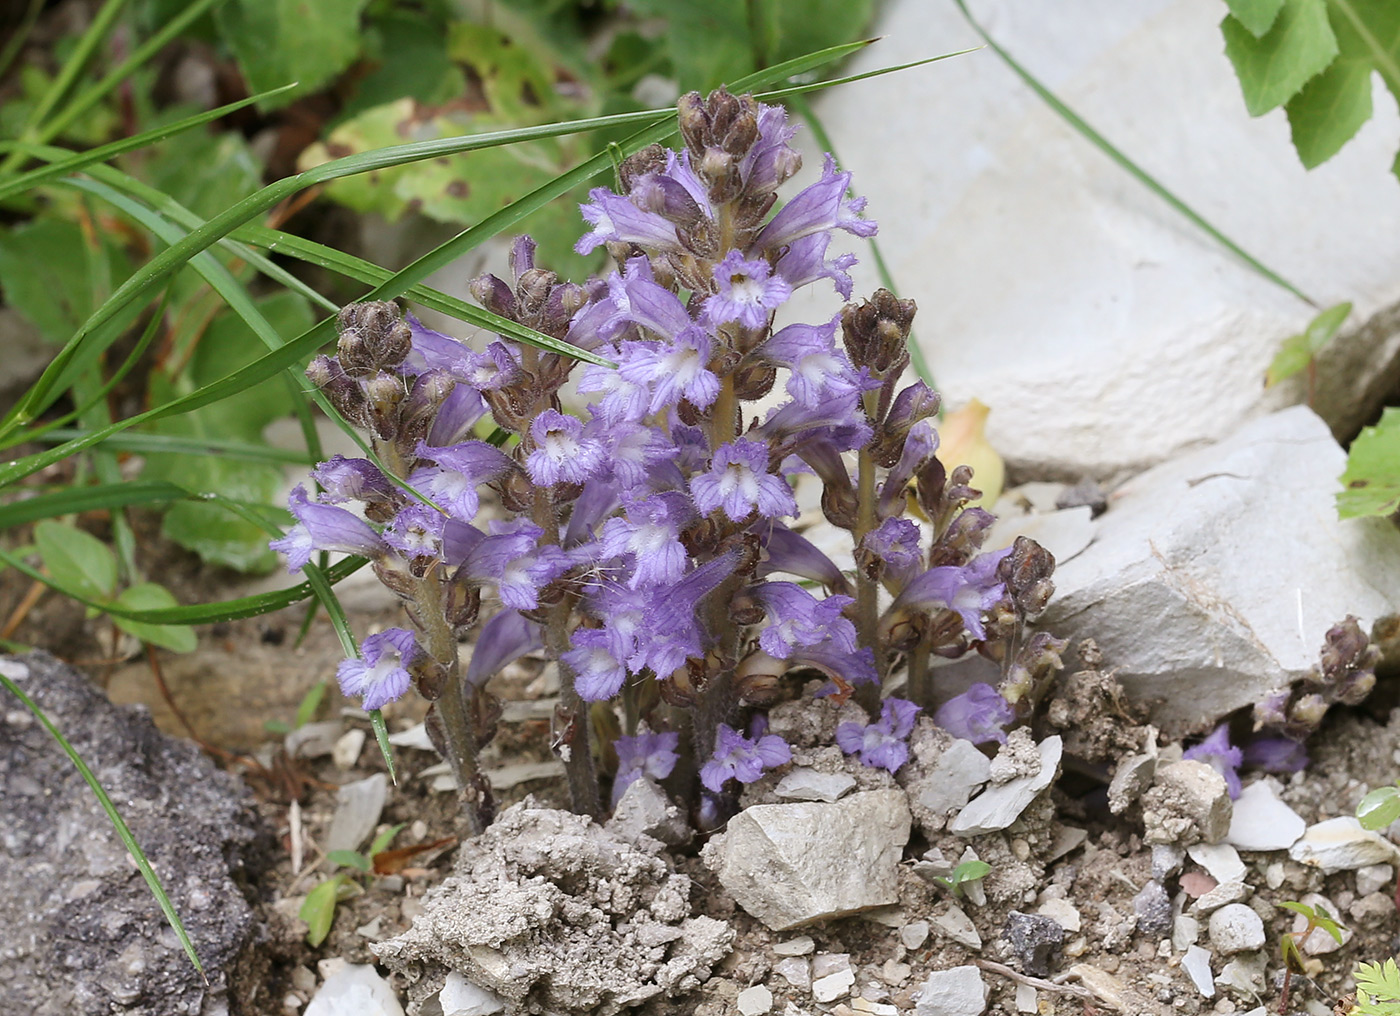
821	207
635	452
623	401
819	371
913	403
651	755
416	531
323	527
739	482
770	161
895	542
1217	752
738	758
839	420
1275	754
562	454
486	558
506	637
614	218
748	293
977	715
919	445
343	479
460	468
797	619
650	535
598	661
523	577
884	743
851	668
455	418
805	262
792	554
432	350
671	370
970	590
669	634
382	675
653	306
497	367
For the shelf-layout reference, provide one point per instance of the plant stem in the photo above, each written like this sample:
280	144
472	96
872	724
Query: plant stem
867	591
576	748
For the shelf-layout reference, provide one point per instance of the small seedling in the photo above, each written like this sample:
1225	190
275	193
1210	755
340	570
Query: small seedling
319	909
968	871
1377	989
1290	946
1377	810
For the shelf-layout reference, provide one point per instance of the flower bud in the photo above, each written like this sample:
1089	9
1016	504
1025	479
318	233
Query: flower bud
373	337
876	332
383	395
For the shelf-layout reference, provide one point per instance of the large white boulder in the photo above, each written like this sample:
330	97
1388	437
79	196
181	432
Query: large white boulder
1212	578
1105	331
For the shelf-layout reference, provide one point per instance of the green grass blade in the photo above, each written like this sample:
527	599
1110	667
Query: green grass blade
123	830
21	33
1137	172
76	500
173	444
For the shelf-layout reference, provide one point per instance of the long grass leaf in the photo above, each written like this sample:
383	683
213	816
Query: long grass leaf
168	444
123	830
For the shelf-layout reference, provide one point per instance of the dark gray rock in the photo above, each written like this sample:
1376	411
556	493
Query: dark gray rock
1036	941
1154	909
82	932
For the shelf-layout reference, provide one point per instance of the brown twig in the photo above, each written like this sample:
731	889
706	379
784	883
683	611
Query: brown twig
22	609
1039	983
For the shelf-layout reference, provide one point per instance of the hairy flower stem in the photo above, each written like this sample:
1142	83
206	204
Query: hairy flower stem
867	592
919	684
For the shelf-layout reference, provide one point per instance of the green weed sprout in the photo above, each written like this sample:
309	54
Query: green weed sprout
968	871
1377	989
1290	944
318	911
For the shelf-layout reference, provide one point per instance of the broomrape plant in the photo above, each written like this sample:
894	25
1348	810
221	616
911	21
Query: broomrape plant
646	545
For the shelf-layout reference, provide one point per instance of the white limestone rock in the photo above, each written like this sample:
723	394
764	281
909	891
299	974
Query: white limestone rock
959	927
1220	860
1235	929
997	807
805	784
1340	844
791	864
1213	577
1260	821
355	990
956	992
1196	963
1151	337
460	997
754	1001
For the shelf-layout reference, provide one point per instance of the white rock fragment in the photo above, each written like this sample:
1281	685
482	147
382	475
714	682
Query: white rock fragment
313	740
894	973
1196	963
1220	860
1189	802
959	772
1221	896
792	864
754	1001
865	1005
1244	975
1340	844
802	945
796	970
1373	878
645	810
460	997
997	807
833	986
809	785
354	990
348	747
959	927
358	806
826	964
1130	781
914	934
1062	912
1025	999
1260	821
1236	928
956	992
1206	552
1185	931
892	916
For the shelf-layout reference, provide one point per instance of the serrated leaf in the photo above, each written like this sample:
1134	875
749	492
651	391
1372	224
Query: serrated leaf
1256	15
281	41
1379	808
349	859
1380	980
318	910
1371	483
1299	350
1273	68
150	596
77	559
1330	109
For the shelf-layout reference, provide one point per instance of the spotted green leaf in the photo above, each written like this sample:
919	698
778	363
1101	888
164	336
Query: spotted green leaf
1371	483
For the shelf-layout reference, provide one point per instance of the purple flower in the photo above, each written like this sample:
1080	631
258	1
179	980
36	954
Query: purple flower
1217	752
670	371
819	371
671	635
523	577
343	479
598	662
748	292
797	620
512	558
416	531
739	482
919	445
507	636
969	589
849	669
623	400
381	676
819	208
896	543
792	554
452	483
1275	754
634	450
650	534
977	715
649	755
882	744
432	350
323	527
614	218
771	160
736	757
496	368
805	262
562	454
456	416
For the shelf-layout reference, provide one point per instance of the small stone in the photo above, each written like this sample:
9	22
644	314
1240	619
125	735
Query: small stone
1154	909
1196	963
1188	803
802	945
357	810
954	778
1130	781
1220	859
1017	758
833	986
645	810
998	806
959	991
1166	860
1067	838
892	916
1373	910
303	979
1025	999
1260	821
1373	878
959	927
1244	975
1185	931
460	997
865	1005
1035	940
754	1001
1222	895
1274	875
827	964
796	970
810	785
895	973
914	935
1341	844
1235	928
1319	943
313	740
355	989
1062	912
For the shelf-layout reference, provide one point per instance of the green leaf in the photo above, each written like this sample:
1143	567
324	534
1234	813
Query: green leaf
1379	808
318	910
349	859
708	40
77	559
150	596
1331	927
1299	350
1380	980
1331	108
1371	483
1299	908
1256	15
815	24
204	172
1272	69
281	41
311	701
411	56
45	272
382	841
970	871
